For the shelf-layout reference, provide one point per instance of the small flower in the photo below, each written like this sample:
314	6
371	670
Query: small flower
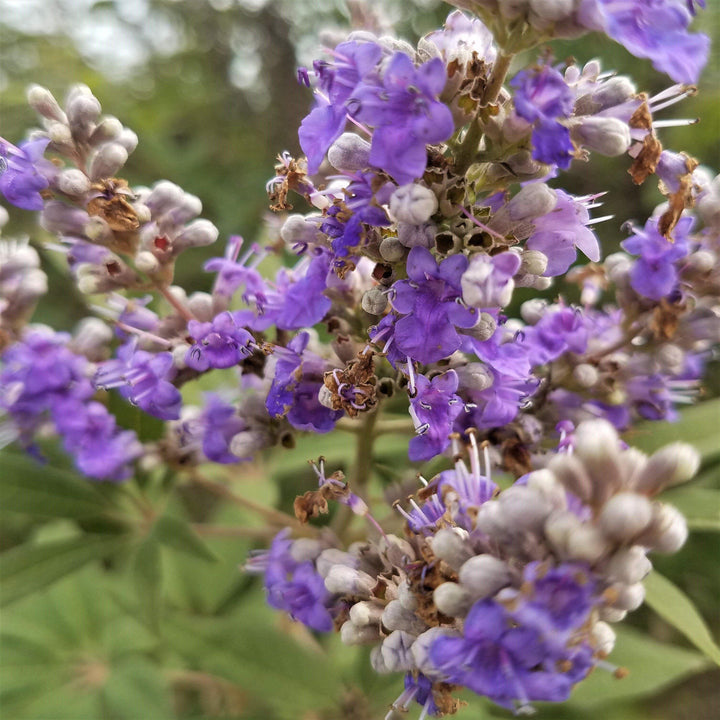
24	172
222	343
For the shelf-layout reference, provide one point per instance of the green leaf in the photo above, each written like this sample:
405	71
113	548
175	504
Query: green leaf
135	689
147	573
652	666
29	568
29	487
697	425
177	534
701	506
673	606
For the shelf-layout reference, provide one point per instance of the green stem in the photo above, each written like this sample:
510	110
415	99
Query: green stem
399	426
468	148
497	78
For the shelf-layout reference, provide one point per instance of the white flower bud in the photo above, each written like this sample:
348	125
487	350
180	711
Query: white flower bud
551	10
452	546
614	91
376	661
201	305
345	580
672	464
197	234
668	530
605	135
374	301
179	352
586	375
97	230
629	597
484	328
533	262
245	444
392	250
366	613
305	549
396	617
108	160
559	526
524	509
531	202
413	204
421	648
452	599
625	516
331	557
484	575
60	134
349	153
297	229
82	109
146	262
351	634
547	485
396	651
586	543
42	101
533	310
628	565
612	615
109	129
73	182
128	139
604	637
407	597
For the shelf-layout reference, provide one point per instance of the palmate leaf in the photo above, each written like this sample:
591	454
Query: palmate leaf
673	606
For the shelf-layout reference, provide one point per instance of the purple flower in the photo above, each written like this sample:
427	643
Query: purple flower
654	274
142	378
560	330
297	588
653	29
222	343
220	423
487	282
404	110
542	96
558	233
433	410
233	273
24	172
431	302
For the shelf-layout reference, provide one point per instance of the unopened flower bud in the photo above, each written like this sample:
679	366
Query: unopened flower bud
349	153
108	160
586	543
407	597
366	613
525	509
586	375
672	464
421	647
92	338
73	182
201	306
376	661
547	485
614	91
146	262
108	130
452	546
374	301
246	444
396	651
413	204
452	599
533	262
197	234
533	310
333	557
628	597
625	516
57	217
667	531
351	634
605	135
559	526
392	250
628	565
484	575
298	230
603	637
416	235
612	615
305	549
531	202
128	139
98	231
83	110
179	353
60	134
396	617
551	10
42	101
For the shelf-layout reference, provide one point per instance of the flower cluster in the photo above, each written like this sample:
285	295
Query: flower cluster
409	287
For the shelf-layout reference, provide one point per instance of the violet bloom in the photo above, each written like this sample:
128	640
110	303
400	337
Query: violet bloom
541	97
487	282
233	273
222	343
431	302
558	233
560	330
143	378
24	172
406	114
654	274
318	131
653	29
295	587
220	423
433	410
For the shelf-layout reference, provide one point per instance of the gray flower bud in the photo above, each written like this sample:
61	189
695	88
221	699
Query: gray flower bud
366	613
603	637
60	134
533	262
57	217
374	301
452	599
612	615
42	101
201	306
484	575
396	651
197	234
452	546
97	230
351	634
108	160
628	565
586	543
407	597
605	135
392	250
531	202
349	153
484	328
108	130
547	485
413	204
396	617
559	526
345	580
331	557
475	376
614	91
305	549
376	661
531	311
146	262
83	109
629	597
92	338
668	530
297	229
586	375
524	509
73	182
551	10
413	235
625	516
421	648
245	444
128	139
672	464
